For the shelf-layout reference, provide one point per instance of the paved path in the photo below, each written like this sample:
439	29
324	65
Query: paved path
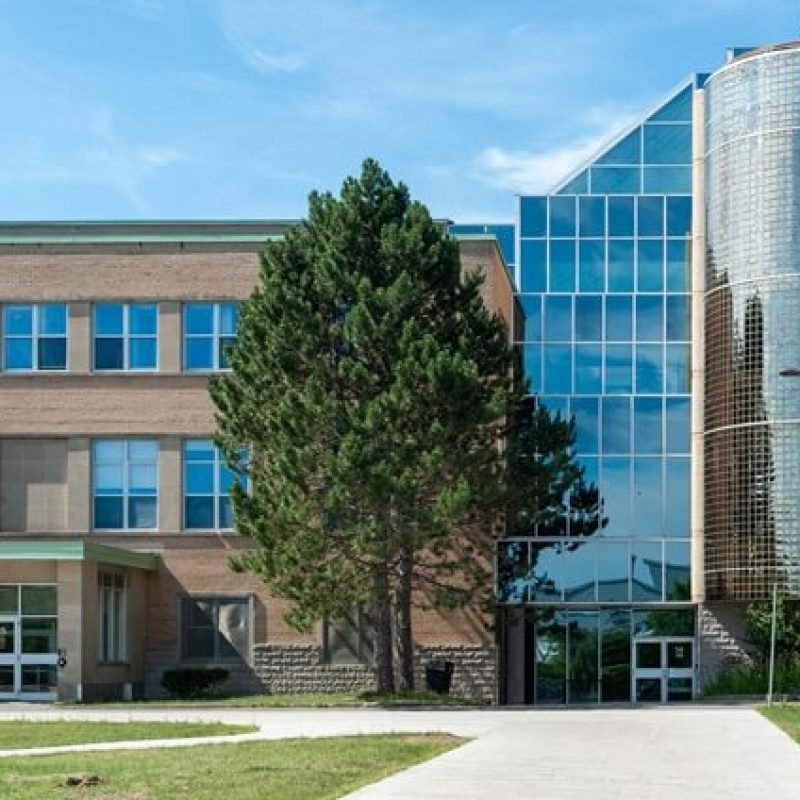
689	753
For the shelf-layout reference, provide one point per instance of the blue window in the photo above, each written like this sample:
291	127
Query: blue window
678	415
651	265
35	337
558	318
562	265
562	215
676	519
588	369
208	330
556	405
125	336
532	355
533	270
533	216
588	318
667	144
616	425
650	215
678	264
649	369
592	265
613	571
578	185
619	369
207	483
647	424
647	584
667	180
677	569
532	309
678	318
677	370
679	216
649	318
619	318
626	151
615	180
592	216
620	216
616	492
125	484
557	369
586	424
620	265
647	497
678	109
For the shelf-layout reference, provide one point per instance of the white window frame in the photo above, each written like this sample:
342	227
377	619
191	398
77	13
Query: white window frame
35	336
126	337
218	462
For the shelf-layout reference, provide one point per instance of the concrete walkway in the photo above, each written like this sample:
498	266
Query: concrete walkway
688	753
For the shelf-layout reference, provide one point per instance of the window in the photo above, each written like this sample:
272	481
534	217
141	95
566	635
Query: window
207	484
215	628
208	329
349	639
125	482
125	336
35	337
112	618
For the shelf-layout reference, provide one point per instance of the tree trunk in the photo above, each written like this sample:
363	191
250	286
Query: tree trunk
405	636
382	612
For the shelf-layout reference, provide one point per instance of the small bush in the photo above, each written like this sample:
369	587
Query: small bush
754	679
194	681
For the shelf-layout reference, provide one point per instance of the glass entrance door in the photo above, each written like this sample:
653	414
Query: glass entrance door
28	658
9	657
663	670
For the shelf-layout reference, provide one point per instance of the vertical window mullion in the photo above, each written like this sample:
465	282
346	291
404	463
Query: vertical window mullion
215	336
126	311
216	489
35	337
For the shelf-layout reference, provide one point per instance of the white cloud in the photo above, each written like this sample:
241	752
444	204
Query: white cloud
159	157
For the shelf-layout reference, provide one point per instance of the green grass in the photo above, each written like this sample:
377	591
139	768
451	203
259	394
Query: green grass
299	769
753	680
351	699
786	716
20	734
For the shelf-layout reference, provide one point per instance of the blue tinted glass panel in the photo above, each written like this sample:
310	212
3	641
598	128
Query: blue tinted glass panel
592	265
620	216
649	318
143	478
588	318
647	425
18	320
647	495
143	450
678	318
108	513
650	215
562	216
592	216
620	265
53	353
667	144
649	369
647	582
108	478
225	513
558	318
651	265
678	506
108	319
228	317
677	571
578	185
18	354
142	512
588	369
534	264
533	216
616	425
556	405
619	369
626	151
532	355
562	265
679	216
615	180
546	572
668	180
143	318
227	478
557	369
108	353
532	309
579	574
200	352
53	319
586	423
678	412
677	371
616	494
678	109
199	450
199	478
142	351
199	512
613	572
199	318
619	318
109	450
678	265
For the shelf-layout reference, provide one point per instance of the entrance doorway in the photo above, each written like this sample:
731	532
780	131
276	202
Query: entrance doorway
663	670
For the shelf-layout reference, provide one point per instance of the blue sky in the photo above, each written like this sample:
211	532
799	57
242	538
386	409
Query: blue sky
238	108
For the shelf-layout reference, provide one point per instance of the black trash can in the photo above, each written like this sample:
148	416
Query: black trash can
438	675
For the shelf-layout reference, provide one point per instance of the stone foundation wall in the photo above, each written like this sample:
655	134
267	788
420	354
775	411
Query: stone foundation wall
475	673
721	640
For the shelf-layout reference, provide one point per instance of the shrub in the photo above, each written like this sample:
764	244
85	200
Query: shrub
753	679
193	681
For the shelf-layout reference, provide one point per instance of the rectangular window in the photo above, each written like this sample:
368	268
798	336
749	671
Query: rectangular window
349	639
208	330
125	336
112	618
215	628
35	337
125	484
207	483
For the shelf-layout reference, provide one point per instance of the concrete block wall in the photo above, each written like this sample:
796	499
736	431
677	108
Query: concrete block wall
721	640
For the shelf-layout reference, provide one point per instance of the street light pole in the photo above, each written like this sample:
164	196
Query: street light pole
772	642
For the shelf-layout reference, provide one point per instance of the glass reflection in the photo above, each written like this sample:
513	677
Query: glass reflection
662	622
557	369
616	425
583	629
619	369
676	517
620	216
551	657
650	215
619	318
533	269
579	572
588	369
591	265
586	423
647	499
650	273
562	216
616	493
646	572
558	318
546	572
562	265
613	579
620	265
677	560
647	425
615	655
592	216
588	318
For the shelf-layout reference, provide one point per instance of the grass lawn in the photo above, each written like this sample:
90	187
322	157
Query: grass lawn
20	734
785	716
298	769
351	699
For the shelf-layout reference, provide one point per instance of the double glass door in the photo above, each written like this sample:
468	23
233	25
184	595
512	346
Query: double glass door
663	670
28	658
